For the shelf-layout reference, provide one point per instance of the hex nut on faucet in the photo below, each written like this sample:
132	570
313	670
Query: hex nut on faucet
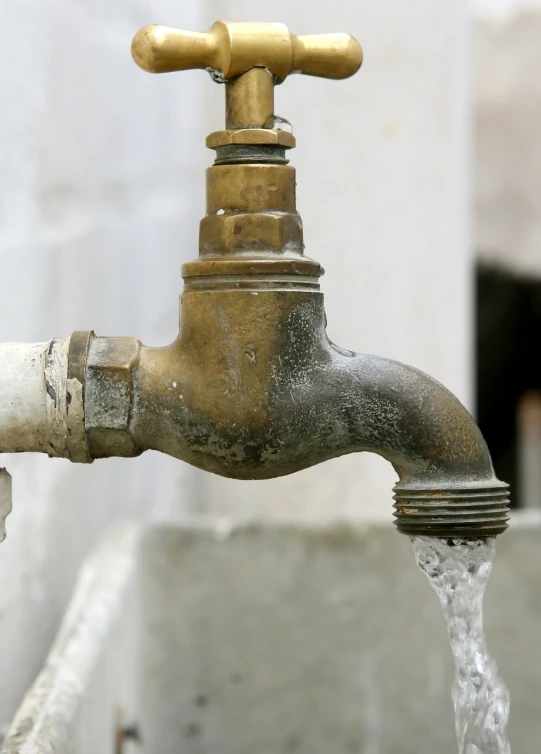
111	364
248	232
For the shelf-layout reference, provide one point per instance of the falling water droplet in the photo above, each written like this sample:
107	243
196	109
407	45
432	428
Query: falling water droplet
281	124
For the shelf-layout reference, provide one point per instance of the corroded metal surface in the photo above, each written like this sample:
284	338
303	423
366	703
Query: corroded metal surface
79	451
109	396
252	388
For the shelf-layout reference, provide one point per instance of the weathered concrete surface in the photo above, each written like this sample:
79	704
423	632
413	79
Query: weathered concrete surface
87	689
321	641
268	639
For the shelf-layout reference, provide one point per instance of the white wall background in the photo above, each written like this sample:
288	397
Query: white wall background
502	8
101	190
507	88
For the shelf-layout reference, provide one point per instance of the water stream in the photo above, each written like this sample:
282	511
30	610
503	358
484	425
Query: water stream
458	570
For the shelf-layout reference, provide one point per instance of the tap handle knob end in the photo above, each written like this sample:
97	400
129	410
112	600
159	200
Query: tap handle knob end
229	49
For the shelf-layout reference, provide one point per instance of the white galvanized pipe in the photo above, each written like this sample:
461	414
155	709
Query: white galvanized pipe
33	410
41	410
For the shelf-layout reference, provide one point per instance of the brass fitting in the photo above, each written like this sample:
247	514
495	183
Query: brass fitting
252	388
109	396
230	48
252	226
260	136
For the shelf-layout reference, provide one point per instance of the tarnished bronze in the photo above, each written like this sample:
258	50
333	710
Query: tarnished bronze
252	388
230	48
252	223
249	100
109	396
251	136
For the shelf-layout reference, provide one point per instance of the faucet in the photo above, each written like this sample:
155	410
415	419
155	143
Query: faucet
252	388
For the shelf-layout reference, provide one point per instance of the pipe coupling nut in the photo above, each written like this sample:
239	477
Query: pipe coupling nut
109	394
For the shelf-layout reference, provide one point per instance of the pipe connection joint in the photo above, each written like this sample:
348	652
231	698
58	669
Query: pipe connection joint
110	395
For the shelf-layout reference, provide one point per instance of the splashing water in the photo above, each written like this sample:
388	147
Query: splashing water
458	570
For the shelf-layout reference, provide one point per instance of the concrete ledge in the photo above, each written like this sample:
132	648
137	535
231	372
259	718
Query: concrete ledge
274	638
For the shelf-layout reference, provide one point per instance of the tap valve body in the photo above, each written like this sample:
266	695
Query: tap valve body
252	388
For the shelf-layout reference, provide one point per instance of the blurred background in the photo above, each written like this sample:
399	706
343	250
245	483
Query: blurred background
419	187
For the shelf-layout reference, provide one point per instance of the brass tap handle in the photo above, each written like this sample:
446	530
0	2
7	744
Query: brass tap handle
230	49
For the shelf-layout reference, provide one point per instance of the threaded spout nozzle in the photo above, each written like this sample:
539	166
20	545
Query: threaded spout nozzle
466	512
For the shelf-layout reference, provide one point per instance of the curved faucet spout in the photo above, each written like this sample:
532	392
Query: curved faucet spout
447	486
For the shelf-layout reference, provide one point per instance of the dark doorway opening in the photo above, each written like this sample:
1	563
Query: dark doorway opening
508	328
